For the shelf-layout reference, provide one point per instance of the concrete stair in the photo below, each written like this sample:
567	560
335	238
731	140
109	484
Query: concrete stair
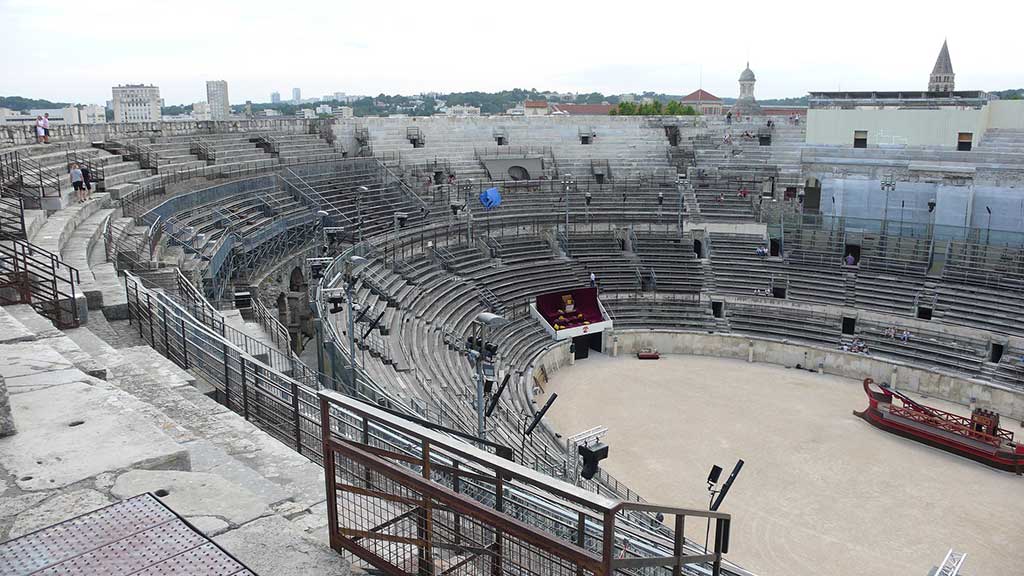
146	425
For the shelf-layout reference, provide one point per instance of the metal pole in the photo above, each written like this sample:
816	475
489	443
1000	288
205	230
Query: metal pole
482	331
351	332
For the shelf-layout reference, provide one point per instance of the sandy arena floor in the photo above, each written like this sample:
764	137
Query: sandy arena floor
821	492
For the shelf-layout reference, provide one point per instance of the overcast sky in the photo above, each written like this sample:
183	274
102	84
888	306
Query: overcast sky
75	50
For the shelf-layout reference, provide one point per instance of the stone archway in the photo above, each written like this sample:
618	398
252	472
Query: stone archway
296	281
518	173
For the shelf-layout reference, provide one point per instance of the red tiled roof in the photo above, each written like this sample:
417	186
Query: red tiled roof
535	104
583	109
701	96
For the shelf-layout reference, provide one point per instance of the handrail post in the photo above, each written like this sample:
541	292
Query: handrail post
295	414
245	389
608	543
329	474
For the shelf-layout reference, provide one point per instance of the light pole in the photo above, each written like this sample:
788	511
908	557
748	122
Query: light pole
679	211
350	265
888	184
477	353
400	219
359	209
567	184
988	228
466	188
322	214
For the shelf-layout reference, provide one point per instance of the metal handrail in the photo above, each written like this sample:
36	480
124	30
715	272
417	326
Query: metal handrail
74	156
38	277
12	215
34	177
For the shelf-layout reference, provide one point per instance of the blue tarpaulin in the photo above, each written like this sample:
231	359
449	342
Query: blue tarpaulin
490	198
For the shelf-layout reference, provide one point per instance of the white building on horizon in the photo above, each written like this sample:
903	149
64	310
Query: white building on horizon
343	112
202	111
217	99
275	97
296	96
136	103
462	110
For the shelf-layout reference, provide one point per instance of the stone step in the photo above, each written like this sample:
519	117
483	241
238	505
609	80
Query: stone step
128	176
41	329
76	253
59	227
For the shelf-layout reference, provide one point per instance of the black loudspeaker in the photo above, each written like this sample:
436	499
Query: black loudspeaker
591	456
714	475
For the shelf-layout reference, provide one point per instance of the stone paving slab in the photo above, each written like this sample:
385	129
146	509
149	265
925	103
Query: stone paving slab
11	330
59	507
193	494
40	326
80	432
208	457
304	557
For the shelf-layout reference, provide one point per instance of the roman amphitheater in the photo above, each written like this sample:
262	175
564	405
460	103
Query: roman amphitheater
244	305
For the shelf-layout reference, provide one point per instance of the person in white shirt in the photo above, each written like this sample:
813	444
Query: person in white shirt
40	131
593	280
46	128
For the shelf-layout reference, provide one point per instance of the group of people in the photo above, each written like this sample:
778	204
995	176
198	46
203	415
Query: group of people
81	181
901	335
43	129
856	346
761	251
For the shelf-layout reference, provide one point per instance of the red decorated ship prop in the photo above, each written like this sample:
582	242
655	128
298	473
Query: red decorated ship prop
978	437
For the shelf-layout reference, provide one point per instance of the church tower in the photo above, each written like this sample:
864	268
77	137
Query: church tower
942	77
746	105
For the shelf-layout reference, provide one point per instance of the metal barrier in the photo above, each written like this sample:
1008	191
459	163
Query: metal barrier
411	501
31	275
75	156
12	215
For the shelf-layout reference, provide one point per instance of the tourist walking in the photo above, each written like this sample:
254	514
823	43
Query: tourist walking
46	128
40	131
77	184
593	280
86	181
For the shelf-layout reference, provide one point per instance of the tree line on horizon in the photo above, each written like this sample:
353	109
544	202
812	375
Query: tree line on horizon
488	102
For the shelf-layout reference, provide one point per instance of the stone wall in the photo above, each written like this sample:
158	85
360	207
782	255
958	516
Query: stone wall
20	135
945	386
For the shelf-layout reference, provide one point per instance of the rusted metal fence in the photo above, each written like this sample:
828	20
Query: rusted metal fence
411	501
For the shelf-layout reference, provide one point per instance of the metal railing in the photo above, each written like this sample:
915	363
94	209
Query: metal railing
35	180
75	156
135	151
267	320
12	215
389	177
411	501
31	275
202	150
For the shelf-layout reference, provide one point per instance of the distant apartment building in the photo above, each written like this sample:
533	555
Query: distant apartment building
307	113
217	99
269	112
275	97
323	109
339	96
462	110
136	103
343	112
202	111
296	96
90	114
